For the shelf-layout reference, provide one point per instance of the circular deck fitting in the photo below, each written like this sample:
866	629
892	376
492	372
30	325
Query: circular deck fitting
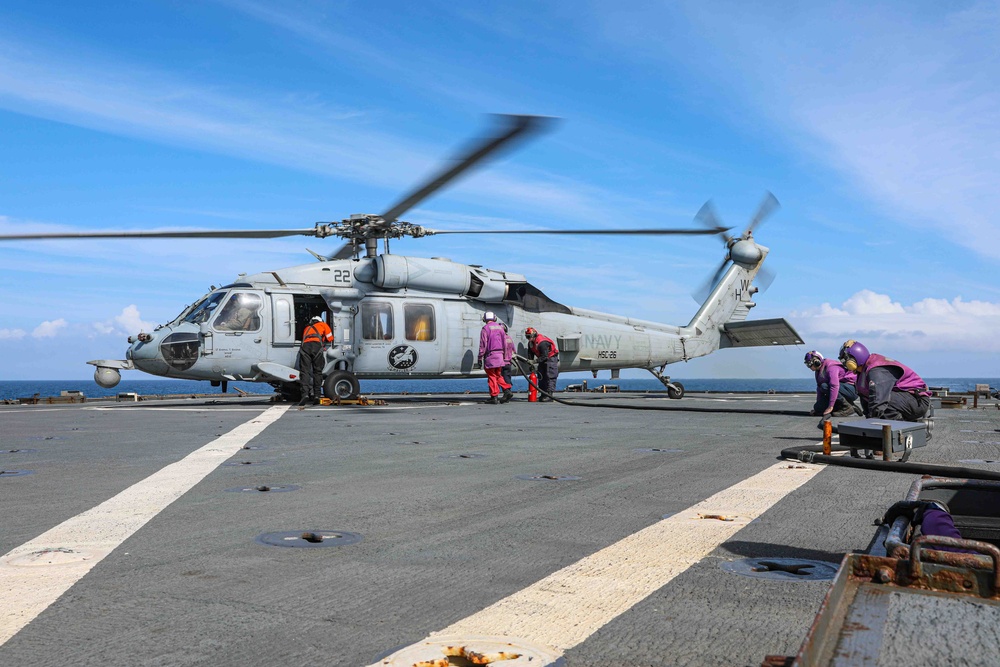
248	463
474	650
309	539
17	451
657	450
548	478
16	473
263	488
469	455
782	569
977	461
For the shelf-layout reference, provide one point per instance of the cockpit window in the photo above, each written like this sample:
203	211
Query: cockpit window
241	313
203	311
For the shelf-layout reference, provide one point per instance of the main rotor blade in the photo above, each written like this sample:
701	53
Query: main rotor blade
517	126
181	234
620	232
765	209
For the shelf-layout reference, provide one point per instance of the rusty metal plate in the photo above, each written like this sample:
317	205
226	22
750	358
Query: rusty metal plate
783	569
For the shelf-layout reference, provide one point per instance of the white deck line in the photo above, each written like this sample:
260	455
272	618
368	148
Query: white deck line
563	609
30	583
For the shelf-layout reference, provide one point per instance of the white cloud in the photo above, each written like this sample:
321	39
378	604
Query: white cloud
12	334
49	329
885	325
128	322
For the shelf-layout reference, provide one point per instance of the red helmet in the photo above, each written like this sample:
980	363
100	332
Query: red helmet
530	332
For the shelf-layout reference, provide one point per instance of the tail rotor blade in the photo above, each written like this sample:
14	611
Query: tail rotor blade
706	287
707	217
766	208
765	277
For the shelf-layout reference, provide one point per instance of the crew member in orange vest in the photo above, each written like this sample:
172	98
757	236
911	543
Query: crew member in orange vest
315	339
547	354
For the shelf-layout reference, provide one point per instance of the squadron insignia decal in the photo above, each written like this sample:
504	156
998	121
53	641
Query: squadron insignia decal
402	357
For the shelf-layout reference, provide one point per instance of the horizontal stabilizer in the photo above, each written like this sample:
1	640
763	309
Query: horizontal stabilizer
759	333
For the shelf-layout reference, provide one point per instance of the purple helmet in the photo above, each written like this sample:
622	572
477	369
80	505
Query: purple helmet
853	353
813	357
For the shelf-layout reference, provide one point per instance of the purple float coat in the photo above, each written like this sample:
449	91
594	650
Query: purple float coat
910	382
492	345
833	373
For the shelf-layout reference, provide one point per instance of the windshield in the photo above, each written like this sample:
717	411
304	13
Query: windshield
203	311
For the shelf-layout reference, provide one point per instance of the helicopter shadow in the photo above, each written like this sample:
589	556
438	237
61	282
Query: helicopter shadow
769	550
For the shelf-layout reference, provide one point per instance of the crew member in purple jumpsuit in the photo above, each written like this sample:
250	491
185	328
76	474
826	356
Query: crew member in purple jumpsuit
492	353
835	392
888	389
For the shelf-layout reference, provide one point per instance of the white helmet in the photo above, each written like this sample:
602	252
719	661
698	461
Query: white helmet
316	318
489	316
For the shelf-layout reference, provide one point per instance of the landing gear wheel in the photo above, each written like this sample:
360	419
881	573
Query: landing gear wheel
342	385
677	392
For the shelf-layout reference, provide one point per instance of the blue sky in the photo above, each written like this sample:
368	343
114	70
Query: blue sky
875	125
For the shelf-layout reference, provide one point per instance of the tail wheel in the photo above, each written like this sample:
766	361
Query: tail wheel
676	391
342	385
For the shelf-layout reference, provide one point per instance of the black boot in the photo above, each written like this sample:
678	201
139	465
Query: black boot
305	400
507	395
492	400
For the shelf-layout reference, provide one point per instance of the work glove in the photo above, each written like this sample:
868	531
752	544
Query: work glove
478	365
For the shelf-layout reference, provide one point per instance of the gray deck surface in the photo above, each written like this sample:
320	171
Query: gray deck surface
443	536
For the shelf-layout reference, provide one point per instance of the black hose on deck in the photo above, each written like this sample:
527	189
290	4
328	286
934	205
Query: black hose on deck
659	408
814	454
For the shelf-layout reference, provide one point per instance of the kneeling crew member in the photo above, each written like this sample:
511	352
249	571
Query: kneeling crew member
315	339
835	392
888	389
547	354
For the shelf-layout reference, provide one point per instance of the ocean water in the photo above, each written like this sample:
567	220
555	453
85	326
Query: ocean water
14	389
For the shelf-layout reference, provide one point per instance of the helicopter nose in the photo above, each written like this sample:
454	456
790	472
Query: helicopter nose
146	354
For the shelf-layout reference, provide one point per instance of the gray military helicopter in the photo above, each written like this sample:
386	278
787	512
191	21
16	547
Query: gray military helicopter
410	317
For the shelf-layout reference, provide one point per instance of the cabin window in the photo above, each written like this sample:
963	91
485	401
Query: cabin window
241	313
419	321
376	321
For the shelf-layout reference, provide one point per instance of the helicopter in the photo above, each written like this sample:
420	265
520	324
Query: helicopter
396	316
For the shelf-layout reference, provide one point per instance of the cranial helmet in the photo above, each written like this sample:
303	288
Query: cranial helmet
489	316
316	318
813	357
530	332
853	354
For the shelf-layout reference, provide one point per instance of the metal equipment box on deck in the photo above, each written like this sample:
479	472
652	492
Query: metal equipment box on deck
866	434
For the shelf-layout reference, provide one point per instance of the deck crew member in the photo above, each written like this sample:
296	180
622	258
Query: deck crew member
835	391
492	357
315	339
508	354
547	355
888	389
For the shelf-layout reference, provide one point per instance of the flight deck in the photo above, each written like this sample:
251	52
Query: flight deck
614	531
